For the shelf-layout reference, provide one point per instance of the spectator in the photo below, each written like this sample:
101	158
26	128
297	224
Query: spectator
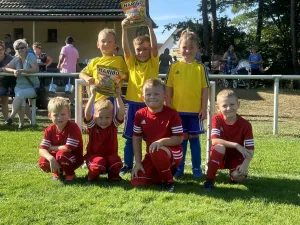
255	60
4	60
68	61
42	58
164	61
175	58
230	59
22	64
9	45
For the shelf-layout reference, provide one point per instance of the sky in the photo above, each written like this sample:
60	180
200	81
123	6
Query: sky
172	11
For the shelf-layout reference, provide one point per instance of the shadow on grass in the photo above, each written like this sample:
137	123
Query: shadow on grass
279	190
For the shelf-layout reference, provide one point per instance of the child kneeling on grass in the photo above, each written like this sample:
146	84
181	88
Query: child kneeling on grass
61	149
232	141
102	149
161	126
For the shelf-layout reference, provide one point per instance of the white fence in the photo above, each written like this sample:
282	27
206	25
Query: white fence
79	83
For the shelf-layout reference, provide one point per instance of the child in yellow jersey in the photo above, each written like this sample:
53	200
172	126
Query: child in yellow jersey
142	66
107	45
187	92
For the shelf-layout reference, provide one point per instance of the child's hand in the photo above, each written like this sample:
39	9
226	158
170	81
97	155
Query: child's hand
202	114
155	146
125	23
54	166
242	169
243	151
137	167
91	80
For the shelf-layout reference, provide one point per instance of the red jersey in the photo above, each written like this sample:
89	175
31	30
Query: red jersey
154	126
102	142
70	137
240	132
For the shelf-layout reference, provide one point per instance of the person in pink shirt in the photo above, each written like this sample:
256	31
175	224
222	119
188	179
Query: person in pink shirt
68	61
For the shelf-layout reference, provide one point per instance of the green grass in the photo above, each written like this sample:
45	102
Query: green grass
270	195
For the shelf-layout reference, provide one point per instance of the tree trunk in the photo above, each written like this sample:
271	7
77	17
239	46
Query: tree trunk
205	28
294	40
214	26
259	21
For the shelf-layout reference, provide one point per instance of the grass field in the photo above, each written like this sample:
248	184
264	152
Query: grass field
270	195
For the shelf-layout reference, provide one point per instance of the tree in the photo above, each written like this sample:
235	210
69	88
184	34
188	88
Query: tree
294	39
259	21
205	28
214	26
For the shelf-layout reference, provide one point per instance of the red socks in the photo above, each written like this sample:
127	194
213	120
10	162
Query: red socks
214	163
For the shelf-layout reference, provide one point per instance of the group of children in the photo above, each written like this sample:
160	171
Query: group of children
167	116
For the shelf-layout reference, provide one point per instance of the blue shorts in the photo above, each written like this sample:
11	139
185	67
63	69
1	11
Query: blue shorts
130	110
192	124
3	91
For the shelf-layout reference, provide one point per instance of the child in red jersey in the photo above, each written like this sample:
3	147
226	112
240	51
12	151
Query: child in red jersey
102	149
61	148
161	127
232	140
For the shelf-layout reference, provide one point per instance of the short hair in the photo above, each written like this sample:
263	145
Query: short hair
107	31
140	40
18	42
37	44
227	93
57	104
103	104
154	82
190	36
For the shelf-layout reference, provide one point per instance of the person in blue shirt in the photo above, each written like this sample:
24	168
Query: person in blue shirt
230	60
255	60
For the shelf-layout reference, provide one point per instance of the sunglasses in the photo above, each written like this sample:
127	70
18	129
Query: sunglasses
20	48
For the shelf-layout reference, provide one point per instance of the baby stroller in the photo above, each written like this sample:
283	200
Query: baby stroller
243	68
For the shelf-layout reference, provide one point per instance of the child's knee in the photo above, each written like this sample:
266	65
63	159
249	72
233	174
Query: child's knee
161	153
237	177
219	148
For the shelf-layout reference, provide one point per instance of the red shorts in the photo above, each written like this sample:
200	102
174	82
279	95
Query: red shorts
232	159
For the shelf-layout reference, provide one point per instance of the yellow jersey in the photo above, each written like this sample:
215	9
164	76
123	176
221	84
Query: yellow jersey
139	72
187	81
112	62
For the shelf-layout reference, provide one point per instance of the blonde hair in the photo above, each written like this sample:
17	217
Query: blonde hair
107	31
140	40
154	82
227	93
103	104
17	43
37	44
57	104
190	36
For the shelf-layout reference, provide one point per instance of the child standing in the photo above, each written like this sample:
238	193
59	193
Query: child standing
187	92
232	141
161	127
102	149
109	62
61	148
142	66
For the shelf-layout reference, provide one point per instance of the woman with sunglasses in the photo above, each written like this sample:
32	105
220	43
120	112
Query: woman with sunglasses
24	63
43	59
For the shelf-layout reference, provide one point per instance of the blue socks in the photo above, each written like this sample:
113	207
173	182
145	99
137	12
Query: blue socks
195	152
184	146
128	153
